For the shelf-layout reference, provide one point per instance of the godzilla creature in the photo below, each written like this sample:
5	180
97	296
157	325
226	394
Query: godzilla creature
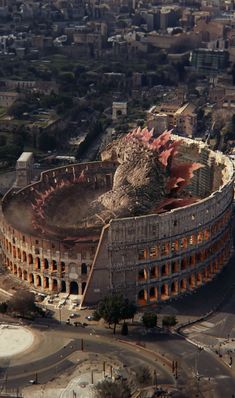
146	179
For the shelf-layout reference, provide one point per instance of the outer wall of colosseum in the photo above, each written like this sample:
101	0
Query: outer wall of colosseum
149	258
152	258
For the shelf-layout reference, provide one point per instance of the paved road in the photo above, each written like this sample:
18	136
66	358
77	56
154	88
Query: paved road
49	367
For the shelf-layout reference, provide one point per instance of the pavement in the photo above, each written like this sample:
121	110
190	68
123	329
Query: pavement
14	339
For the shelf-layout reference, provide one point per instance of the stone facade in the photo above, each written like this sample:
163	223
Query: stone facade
149	258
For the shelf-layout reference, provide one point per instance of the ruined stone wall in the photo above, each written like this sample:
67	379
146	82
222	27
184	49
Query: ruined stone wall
154	257
45	263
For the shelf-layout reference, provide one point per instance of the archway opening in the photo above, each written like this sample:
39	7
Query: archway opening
24	257
31	279
20	273
164	292
54	285
174	267
73	289
174	288
37	263
18	253
63	287
84	269
199	278
183	285
45	263
54	265
46	283
141	275
153	273
15	269
192	282
153	293
30	259
164	270
142	297
183	264
25	275
38	281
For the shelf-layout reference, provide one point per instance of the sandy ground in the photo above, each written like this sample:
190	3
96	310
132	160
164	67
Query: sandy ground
14	339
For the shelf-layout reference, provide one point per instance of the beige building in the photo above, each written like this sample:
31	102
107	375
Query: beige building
173	116
7	98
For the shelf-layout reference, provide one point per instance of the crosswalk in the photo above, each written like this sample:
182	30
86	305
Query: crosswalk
199	327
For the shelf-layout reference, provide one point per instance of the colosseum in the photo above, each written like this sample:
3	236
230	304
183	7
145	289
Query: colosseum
151	220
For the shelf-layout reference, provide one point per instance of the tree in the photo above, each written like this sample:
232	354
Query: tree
143	375
22	303
149	319
114	308
46	142
18	108
124	331
112	389
169	321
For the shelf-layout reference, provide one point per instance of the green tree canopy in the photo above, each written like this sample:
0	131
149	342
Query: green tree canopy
149	319
115	308
169	321
112	389
23	303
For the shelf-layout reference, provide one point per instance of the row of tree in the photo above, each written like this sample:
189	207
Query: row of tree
116	308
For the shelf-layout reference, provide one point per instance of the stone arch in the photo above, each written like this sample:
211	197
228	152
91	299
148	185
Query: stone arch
183	264
19	253
192	282
30	258
63	287
10	247
25	275
153	294
199	278
142	275
15	269
192	260
46	282
183	285
174	267
24	256
11	266
83	287
37	263
142	297
164	292
45	263
174	287
164	270
73	288
38	281
153	272
31	279
54	285
20	272
54	265
83	269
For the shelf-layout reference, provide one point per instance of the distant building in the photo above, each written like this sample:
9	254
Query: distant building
183	118
24	169
209	61
8	98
